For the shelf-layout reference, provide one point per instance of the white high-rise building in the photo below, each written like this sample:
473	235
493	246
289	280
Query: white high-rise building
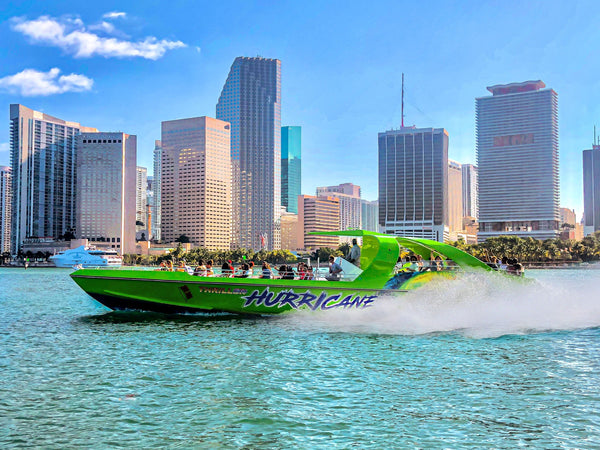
43	157
196	182
156	235
369	215
517	160
5	201
469	190
106	187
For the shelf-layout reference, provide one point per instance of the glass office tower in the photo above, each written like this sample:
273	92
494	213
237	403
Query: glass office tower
591	190
251	102
413	182
291	167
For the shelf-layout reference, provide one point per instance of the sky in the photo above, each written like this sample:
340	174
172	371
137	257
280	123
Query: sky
127	66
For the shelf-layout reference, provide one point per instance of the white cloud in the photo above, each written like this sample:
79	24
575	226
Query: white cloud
31	82
107	27
114	15
72	37
3	146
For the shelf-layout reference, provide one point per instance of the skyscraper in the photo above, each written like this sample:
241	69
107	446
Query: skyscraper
289	230
455	197
43	152
141	199
350	204
251	102
517	159
150	206
196	182
157	191
5	201
291	167
591	190
469	190
369	215
413	182
106	189
318	214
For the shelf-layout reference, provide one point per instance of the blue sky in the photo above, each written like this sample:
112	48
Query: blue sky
341	69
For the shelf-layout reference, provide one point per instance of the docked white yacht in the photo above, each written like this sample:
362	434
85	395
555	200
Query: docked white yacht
87	257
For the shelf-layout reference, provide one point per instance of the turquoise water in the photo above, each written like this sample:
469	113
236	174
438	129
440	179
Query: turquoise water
475	363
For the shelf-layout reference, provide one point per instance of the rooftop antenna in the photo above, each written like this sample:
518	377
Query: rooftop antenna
403	103
595	141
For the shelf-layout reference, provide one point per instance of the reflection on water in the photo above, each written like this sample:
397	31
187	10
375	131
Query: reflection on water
152	317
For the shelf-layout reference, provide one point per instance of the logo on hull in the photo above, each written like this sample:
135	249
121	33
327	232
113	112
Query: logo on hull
307	299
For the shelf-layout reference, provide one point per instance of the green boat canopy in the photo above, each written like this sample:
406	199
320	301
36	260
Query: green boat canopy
423	247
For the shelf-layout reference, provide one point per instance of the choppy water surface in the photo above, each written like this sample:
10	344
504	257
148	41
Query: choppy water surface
471	363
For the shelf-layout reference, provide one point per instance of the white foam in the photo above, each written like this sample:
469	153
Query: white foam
477	305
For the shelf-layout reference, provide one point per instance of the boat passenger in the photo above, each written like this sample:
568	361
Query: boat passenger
282	272
209	268
250	270
438	263
411	265
354	254
226	270
503	263
287	273
170	266
243	273
266	270
301	271
519	270
181	267
514	267
310	275
162	266
335	270
421	264
200	270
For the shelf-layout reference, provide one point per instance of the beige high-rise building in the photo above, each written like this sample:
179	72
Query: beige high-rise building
455	197
106	177
318	214
568	216
196	182
289	231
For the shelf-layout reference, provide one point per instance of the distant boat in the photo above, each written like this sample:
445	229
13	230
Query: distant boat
87	257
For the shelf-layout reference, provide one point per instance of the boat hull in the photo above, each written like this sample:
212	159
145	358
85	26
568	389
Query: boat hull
178	292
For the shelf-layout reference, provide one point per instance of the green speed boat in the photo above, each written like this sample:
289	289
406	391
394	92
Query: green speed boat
180	292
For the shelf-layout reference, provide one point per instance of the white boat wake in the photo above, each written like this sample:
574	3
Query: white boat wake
476	305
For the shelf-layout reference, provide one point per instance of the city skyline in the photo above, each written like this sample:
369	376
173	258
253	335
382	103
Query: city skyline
508	48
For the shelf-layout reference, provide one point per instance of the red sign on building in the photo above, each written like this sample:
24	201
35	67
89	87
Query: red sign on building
513	139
